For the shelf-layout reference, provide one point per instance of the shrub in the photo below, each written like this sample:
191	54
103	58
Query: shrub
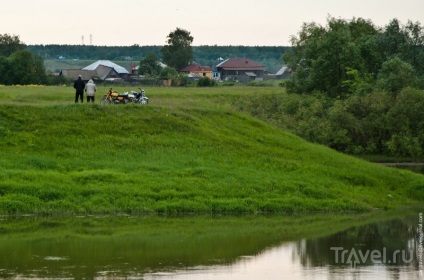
206	82
184	81
168	73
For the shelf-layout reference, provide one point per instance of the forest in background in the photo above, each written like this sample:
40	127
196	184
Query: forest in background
270	57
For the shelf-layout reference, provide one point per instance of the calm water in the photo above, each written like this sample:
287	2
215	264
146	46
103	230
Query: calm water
247	247
414	167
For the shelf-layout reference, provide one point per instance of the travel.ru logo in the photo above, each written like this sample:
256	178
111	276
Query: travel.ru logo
354	257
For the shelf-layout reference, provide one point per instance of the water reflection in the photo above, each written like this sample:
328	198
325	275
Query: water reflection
313	258
278	263
391	242
414	167
207	248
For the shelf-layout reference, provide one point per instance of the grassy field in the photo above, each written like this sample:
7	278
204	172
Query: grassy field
189	150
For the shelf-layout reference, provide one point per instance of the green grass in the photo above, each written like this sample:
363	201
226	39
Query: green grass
187	151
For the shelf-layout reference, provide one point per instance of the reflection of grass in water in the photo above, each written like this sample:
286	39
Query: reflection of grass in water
149	243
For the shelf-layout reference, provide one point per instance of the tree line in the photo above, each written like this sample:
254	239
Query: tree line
22	64
355	88
270	57
351	56
374	123
19	65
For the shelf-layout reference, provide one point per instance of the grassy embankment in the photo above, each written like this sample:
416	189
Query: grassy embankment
187	151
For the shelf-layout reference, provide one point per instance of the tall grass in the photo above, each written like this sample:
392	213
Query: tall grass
187	151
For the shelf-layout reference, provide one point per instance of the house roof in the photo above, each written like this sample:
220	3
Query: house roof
196	68
101	72
283	70
108	63
74	73
104	71
240	64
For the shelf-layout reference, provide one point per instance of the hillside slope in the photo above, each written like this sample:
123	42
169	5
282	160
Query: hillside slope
68	159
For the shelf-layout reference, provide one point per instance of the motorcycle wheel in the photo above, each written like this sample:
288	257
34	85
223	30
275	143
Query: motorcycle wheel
105	101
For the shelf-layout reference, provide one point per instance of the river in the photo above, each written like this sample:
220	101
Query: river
414	167
380	245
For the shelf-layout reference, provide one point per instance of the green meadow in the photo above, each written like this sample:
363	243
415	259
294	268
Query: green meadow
189	151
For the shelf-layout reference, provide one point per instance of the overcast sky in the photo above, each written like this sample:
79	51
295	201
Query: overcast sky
214	22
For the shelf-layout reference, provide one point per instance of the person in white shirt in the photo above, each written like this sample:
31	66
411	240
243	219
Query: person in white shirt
90	89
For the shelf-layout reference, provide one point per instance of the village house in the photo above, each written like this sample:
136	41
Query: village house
108	70
72	74
196	71
283	73
240	69
103	70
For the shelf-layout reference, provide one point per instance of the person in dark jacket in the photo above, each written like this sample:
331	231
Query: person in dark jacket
79	86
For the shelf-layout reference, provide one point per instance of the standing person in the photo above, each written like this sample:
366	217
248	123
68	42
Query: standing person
90	89
79	86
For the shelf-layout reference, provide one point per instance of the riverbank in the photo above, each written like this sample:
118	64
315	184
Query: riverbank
186	152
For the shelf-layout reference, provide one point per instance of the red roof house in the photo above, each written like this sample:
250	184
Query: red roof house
196	69
240	69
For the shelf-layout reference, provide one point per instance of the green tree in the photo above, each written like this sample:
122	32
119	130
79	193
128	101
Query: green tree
168	73
337	52
178	52
371	54
415	45
10	44
406	119
348	56
5	71
150	66
360	27
393	40
321	56
304	51
26	68
395	75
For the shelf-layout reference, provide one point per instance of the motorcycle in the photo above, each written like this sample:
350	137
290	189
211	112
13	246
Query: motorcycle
112	97
134	97
139	97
